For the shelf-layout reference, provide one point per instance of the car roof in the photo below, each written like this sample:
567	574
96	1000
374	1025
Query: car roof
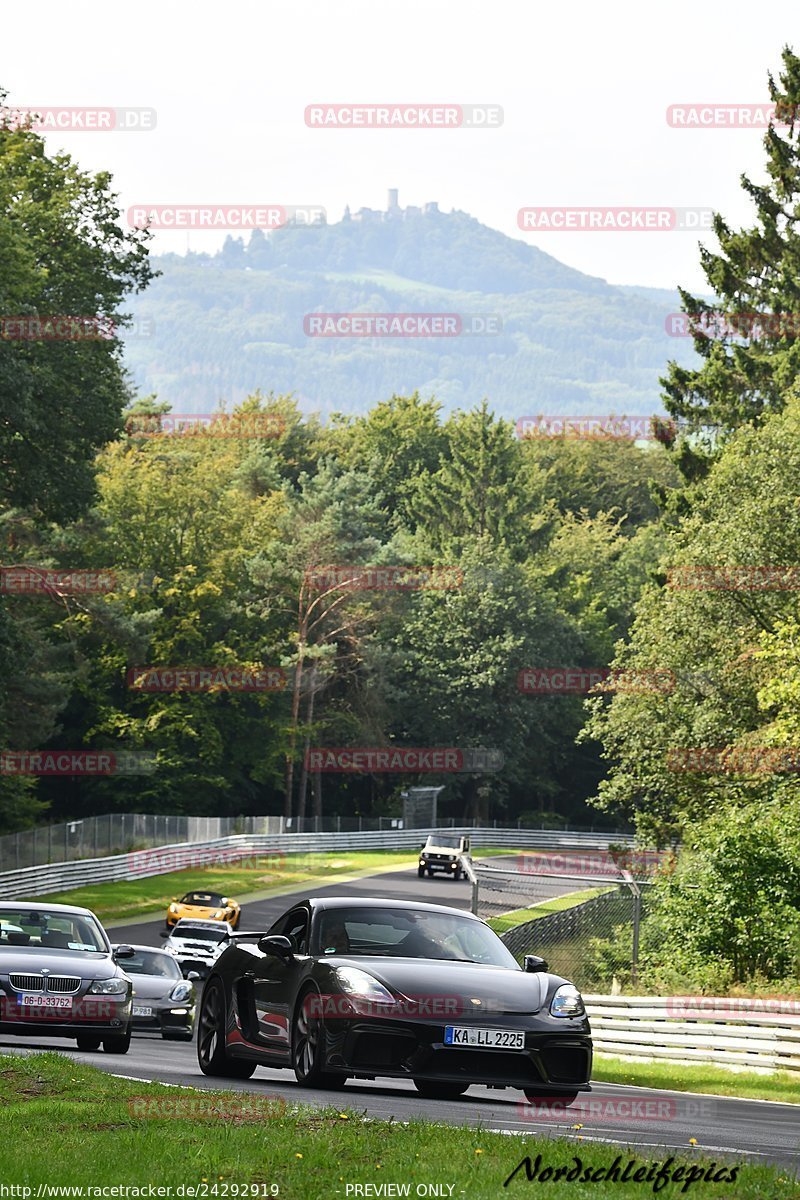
200	923
44	906
321	902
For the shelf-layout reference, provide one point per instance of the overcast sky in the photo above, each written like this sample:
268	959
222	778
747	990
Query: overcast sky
584	90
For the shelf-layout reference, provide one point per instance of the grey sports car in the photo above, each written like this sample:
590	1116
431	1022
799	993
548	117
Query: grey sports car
163	1001
358	988
60	978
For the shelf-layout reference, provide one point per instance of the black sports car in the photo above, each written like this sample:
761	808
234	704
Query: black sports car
342	988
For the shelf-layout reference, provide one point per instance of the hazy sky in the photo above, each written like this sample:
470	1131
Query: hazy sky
584	89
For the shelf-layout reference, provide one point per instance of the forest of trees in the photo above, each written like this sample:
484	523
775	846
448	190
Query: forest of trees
679	558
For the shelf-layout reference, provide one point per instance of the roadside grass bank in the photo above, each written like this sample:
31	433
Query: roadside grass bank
783	1086
151	894
519	916
77	1126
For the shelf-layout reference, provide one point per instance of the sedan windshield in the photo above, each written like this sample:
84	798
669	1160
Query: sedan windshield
201	933
44	929
409	933
205	899
152	962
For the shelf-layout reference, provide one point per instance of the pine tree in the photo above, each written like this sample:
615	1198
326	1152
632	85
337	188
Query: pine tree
749	337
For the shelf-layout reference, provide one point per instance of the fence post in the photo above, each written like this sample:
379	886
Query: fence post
637	916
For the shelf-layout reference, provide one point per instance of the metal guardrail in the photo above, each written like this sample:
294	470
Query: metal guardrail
760	1034
58	877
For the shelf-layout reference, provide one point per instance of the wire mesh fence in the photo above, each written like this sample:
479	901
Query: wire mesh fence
582	914
119	833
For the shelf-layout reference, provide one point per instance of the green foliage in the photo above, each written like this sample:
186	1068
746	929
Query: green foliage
746	374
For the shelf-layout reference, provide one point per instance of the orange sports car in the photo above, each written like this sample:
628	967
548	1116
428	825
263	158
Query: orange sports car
210	906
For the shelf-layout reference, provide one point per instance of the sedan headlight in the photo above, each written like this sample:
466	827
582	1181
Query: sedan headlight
181	992
567	1002
110	987
359	983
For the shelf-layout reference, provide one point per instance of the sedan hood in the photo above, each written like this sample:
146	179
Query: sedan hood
455	987
87	965
152	987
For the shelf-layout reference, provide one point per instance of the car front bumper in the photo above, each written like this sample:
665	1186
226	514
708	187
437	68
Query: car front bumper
103	1015
553	1060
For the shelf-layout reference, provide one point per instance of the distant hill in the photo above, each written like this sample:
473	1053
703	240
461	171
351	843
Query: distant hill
217	326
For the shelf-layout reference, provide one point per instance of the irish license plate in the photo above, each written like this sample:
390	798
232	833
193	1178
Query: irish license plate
45	1001
496	1039
140	1010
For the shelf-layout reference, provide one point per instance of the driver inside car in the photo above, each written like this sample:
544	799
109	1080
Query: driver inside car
334	938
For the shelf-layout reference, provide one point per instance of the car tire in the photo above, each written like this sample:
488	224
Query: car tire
308	1040
458	874
118	1043
551	1101
420	871
212	1053
433	1090
430	873
88	1041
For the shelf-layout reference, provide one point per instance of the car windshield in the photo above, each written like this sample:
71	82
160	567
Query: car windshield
206	899
409	933
44	929
200	933
152	962
446	843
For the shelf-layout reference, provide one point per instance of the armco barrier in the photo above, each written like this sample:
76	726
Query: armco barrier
57	877
761	1034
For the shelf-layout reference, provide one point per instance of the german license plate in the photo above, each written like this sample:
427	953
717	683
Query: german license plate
139	1010
496	1039
45	1001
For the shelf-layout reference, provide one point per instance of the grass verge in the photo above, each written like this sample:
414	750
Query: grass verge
75	1126
747	1085
518	916
138	897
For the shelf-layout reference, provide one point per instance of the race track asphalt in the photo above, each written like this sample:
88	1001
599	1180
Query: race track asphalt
651	1121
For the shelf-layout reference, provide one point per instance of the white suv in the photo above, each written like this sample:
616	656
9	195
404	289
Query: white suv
443	852
196	944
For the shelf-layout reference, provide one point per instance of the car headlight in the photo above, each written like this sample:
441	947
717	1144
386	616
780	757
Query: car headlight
219	914
110	987
567	1002
359	983
173	908
181	992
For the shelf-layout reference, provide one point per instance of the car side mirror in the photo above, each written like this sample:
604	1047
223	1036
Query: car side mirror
124	952
165	933
194	975
532	962
276	945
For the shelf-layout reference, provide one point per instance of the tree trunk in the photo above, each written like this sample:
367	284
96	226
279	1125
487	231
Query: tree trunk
301	799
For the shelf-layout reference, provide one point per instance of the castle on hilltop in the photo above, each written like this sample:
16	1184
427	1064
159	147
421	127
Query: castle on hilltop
392	212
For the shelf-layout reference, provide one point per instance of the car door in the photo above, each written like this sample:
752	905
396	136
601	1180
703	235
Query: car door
275	985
